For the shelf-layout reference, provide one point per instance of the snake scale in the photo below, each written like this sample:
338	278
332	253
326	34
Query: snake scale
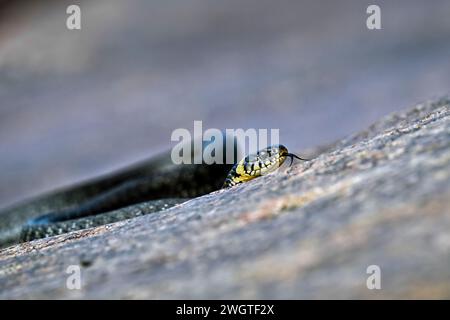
149	187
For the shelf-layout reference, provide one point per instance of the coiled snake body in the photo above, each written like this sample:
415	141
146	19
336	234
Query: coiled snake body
149	187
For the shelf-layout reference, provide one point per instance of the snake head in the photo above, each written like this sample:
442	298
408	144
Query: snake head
255	165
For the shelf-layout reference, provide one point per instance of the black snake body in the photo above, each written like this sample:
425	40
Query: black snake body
149	187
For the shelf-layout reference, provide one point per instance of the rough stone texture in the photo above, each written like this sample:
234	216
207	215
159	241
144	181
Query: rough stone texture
308	231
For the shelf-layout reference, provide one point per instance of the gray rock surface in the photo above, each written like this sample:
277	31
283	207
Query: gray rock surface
381	197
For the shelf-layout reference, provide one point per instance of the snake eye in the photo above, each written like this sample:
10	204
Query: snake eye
283	151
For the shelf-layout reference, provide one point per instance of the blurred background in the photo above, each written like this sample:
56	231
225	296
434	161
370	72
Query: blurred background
78	103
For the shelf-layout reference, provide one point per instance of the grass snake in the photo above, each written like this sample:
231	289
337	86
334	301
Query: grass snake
148	187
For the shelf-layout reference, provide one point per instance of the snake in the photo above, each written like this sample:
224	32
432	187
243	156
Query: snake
151	186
